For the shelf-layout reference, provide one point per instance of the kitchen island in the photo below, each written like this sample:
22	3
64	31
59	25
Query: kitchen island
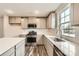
12	46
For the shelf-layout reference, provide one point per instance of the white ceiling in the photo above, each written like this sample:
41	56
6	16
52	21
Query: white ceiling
28	9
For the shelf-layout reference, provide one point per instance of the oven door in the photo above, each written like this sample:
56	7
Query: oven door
31	39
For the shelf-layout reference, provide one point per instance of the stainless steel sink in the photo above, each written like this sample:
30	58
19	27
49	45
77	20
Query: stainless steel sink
58	40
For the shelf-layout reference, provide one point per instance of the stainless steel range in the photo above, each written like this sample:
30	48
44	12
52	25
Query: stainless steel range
31	37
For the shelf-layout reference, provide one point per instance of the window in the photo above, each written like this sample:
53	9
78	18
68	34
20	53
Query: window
65	23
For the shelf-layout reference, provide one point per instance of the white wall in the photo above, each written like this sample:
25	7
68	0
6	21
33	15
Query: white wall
1	26
10	31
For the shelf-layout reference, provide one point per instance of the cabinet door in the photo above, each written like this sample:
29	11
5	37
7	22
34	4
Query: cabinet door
24	23
15	20
9	52
39	39
32	20
12	20
18	20
20	49
43	23
48	46
51	21
75	14
45	41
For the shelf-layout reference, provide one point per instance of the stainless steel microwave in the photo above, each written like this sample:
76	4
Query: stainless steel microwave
32	25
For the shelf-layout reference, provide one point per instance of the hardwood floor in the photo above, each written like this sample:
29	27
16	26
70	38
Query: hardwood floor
38	50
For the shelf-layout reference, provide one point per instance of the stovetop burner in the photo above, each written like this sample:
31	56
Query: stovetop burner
32	33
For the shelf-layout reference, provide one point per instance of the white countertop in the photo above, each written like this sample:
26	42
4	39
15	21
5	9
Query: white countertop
7	43
67	47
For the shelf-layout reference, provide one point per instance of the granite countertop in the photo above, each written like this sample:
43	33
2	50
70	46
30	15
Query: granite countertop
7	43
67	47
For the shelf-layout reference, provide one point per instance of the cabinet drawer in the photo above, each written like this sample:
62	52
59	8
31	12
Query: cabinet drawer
9	52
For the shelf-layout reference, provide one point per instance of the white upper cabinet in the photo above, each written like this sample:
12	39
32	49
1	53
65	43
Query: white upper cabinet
51	21
14	20
31	20
75	14
41	23
24	23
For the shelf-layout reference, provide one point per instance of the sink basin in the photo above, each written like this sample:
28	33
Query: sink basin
58	40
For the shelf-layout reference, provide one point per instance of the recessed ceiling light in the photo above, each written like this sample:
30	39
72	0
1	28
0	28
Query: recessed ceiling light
36	12
8	11
22	19
37	20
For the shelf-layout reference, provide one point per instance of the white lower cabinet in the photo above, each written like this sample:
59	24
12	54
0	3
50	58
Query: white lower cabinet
10	52
48	46
20	49
50	49
39	39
